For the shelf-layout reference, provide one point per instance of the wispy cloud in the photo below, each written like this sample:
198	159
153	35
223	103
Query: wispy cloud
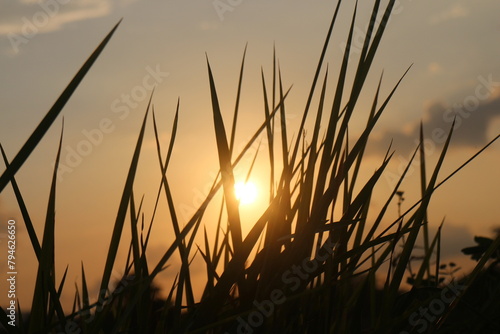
29	17
454	12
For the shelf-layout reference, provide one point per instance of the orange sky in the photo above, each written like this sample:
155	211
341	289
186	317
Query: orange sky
453	46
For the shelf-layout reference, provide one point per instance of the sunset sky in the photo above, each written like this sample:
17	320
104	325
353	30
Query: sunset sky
454	47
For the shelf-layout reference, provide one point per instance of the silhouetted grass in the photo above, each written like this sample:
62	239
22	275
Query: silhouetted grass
315	270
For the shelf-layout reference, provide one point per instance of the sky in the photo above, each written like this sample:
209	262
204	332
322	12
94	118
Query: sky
453	47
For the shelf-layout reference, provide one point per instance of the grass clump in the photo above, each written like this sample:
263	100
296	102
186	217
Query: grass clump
309	264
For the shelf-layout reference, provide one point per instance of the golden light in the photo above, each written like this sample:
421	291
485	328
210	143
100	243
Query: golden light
246	193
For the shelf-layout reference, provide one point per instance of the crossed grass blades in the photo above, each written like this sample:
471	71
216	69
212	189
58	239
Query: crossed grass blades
318	220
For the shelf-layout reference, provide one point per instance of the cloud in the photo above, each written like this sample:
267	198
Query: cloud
455	12
474	116
453	238
28	18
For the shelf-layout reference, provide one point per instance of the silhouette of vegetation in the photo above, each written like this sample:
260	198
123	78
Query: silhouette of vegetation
311	263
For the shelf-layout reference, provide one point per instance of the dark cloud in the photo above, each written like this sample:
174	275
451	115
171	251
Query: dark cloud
453	238
473	118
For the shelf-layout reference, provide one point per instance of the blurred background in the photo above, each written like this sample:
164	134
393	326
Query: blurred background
453	46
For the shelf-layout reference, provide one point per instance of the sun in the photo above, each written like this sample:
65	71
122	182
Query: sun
246	192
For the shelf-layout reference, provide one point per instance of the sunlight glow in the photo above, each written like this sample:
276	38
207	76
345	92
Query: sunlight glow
246	193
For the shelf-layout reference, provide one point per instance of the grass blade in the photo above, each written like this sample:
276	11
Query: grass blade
225	166
45	280
122	210
52	114
24	211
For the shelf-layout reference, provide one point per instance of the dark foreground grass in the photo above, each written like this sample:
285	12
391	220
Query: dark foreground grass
309	264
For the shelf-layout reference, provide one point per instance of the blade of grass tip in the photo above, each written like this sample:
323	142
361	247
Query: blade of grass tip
85	292
252	164
306	191
273	97
184	278
369	33
364	194
284	138
237	103
61	285
233	270
362	223
315	79
427	258
423	183
474	156
418	220
45	280
346	195
143	261
362	68
77	304
218	231
391	196
438	252
128	261
163	167
172	136
225	166
24	210
442	182
363	147
211	269
135	237
122	210
59	293
371	243
370	56
143	222
286	174
432	182
329	149
187	228
259	130
270	136
361	142
190	295
216	186
52	114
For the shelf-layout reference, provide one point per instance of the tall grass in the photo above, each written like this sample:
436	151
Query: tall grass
310	262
